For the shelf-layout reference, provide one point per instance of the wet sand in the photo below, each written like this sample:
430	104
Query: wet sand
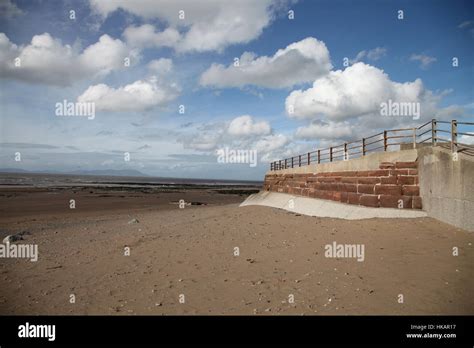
191	252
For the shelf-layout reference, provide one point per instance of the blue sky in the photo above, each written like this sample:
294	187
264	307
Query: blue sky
268	104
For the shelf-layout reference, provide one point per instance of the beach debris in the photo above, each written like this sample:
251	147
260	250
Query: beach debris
15	237
251	260
133	221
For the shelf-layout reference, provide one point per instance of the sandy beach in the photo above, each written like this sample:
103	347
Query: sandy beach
185	261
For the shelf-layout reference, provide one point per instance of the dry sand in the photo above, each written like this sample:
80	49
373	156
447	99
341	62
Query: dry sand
190	252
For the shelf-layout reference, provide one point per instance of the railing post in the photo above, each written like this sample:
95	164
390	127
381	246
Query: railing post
454	136
414	138
345	152
385	145
319	156
271	166
279	165
363	146
299	160
330	154
433	132
291	162
309	158
285	164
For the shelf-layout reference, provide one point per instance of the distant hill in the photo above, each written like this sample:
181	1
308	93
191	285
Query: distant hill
109	172
103	172
13	170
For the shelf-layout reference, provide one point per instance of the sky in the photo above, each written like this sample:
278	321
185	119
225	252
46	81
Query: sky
175	84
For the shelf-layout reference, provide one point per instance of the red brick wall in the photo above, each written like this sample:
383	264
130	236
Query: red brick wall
393	185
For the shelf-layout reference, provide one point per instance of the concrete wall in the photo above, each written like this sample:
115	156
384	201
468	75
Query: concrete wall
368	162
447	186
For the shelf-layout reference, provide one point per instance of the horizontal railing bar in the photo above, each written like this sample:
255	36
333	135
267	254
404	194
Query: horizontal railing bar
400	136
381	133
335	153
373	142
399	130
423	125
425	140
354	147
419	135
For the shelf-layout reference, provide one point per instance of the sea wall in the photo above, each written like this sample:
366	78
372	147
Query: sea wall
428	177
391	185
447	186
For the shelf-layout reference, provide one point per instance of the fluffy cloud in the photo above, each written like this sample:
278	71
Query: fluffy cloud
356	91
161	66
146	36
246	126
271	143
425	61
207	25
139	96
299	62
46	60
240	133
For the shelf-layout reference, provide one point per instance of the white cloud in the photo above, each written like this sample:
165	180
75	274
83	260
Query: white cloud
46	60
373	54
161	66
246	126
138	96
271	143
207	25
358	90
299	62
425	61
146	36
331	130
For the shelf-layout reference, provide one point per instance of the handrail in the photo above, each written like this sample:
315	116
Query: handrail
343	150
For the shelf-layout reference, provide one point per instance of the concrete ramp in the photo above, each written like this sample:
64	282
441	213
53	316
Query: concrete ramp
325	208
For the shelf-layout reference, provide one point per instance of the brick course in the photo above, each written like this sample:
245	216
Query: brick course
393	185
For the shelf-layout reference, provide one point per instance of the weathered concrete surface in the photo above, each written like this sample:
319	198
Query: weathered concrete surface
324	208
447	186
368	162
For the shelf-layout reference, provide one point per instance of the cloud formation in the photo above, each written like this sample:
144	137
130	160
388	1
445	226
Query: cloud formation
299	62
206	25
425	61
245	126
138	96
47	61
356	91
373	55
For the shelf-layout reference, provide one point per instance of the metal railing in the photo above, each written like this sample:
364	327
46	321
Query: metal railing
429	133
